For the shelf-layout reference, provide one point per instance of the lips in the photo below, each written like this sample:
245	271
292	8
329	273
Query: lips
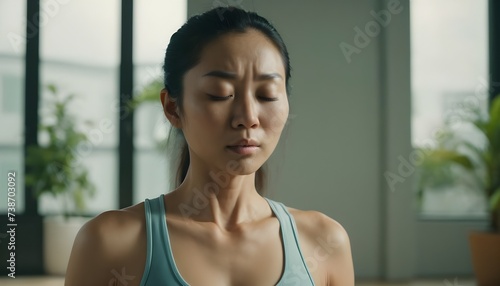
244	146
245	143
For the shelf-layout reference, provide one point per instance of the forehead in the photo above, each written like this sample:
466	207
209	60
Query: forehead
238	52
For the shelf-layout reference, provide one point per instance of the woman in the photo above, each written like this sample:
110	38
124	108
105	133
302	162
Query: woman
226	92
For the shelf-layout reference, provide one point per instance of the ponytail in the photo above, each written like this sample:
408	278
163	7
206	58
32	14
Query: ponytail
183	164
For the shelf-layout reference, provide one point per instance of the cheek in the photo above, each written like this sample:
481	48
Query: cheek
277	117
202	117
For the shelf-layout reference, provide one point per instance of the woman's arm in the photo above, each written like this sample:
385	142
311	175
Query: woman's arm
326	248
340	266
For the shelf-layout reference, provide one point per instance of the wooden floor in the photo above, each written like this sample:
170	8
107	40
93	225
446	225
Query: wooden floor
46	281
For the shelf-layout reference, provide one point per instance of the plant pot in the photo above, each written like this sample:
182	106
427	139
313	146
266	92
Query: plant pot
59	235
485	253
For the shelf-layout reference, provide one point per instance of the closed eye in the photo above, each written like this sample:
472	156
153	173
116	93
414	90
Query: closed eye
268	98
219	98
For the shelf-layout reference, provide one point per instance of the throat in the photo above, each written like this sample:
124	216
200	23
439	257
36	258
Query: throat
232	216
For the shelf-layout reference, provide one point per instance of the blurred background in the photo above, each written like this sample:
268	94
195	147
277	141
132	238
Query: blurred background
373	82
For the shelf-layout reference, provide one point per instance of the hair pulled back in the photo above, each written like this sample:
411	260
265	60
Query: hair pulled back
183	53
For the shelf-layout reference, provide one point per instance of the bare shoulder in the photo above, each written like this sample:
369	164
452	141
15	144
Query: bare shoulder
326	244
315	225
113	240
114	229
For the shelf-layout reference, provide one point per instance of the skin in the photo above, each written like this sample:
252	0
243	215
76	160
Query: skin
228	236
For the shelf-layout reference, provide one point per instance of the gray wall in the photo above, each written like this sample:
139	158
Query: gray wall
349	123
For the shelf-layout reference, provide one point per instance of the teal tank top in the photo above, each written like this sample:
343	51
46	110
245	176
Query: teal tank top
160	268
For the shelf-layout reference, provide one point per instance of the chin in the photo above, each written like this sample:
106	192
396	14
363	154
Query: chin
242	166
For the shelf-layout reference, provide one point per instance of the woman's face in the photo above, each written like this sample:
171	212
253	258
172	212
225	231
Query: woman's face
236	92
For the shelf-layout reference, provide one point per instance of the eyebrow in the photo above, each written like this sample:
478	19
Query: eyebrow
231	75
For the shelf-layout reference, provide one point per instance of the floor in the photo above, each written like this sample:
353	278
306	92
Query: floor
44	281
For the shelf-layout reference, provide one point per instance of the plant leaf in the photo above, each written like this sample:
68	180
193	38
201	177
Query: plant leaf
495	200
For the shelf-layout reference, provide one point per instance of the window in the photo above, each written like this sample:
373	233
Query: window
12	51
80	54
449	46
152	33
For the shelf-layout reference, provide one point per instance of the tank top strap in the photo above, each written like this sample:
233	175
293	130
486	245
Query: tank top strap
160	266
296	271
149	241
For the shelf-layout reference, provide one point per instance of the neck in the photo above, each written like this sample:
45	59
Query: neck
219	197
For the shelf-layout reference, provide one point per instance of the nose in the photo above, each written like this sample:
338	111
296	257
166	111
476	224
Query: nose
245	111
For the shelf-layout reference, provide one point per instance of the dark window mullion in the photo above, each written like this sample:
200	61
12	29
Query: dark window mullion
126	131
494	47
31	92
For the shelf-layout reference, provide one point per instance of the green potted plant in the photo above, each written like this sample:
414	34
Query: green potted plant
481	163
56	170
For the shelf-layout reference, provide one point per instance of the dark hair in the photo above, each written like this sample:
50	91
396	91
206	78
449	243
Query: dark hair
183	53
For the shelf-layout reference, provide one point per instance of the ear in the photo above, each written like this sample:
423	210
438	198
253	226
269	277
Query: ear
170	108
